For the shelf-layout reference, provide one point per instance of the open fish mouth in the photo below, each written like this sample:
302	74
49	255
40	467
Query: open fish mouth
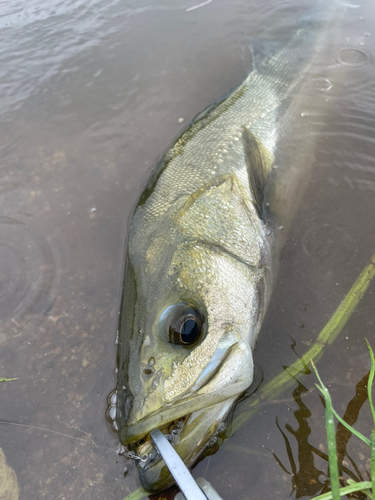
142	449
195	433
190	435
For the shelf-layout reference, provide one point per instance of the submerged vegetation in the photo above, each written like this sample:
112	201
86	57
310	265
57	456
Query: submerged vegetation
337	491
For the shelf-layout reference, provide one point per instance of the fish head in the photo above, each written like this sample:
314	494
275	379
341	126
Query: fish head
191	311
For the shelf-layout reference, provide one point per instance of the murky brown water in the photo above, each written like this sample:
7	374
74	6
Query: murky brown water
92	93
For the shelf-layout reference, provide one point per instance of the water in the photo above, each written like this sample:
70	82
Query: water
92	94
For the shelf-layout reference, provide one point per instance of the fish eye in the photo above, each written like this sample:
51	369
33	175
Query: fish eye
181	324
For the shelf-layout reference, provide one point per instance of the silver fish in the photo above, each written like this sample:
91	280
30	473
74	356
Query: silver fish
200	263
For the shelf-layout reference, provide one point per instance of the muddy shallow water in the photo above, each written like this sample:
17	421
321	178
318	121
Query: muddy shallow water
92	93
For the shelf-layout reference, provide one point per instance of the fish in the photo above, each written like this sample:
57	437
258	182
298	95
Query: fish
201	260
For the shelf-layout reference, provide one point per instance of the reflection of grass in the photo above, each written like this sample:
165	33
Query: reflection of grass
7	379
363	486
286	378
307	478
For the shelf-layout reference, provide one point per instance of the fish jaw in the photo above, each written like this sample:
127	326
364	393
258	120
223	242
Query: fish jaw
200	431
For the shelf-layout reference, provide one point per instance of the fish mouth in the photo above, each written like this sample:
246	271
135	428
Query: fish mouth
136	430
154	475
143	449
140	448
190	436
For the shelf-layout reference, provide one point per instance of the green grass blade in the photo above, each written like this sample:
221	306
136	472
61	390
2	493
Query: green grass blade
137	494
369	395
7	379
351	429
373	459
366	492
363	485
331	439
370	380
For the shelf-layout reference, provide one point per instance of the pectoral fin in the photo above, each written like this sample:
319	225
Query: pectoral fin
258	162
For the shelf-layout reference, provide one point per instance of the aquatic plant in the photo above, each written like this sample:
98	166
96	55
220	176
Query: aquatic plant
336	491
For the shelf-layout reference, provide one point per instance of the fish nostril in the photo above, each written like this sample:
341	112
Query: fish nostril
147	371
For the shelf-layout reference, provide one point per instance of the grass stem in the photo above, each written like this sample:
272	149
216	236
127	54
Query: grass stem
346	490
331	438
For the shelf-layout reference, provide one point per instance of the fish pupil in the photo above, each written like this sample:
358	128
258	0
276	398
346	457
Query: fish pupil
181	324
189	331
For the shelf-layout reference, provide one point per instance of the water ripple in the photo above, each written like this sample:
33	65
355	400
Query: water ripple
326	242
44	40
353	57
26	270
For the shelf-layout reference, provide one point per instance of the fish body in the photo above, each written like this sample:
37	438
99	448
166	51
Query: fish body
199	266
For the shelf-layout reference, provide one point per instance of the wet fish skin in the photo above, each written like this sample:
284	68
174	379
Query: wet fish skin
201	235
